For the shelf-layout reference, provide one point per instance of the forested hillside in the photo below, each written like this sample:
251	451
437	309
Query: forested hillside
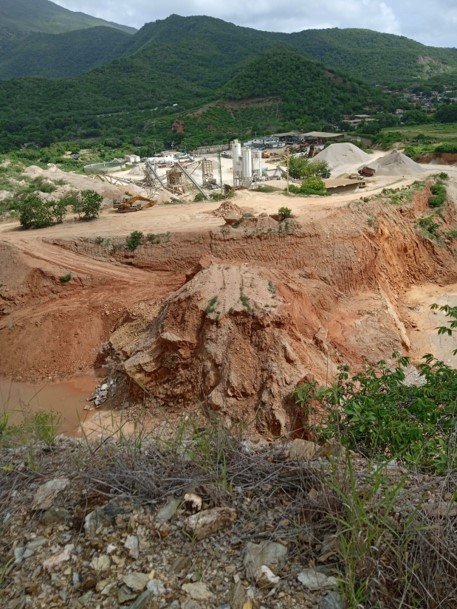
62	55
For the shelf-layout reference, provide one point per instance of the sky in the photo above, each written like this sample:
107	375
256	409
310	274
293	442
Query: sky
433	22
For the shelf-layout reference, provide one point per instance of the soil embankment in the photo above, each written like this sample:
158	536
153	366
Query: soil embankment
230	319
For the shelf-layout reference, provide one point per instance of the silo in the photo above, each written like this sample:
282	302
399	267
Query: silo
257	163
237	164
247	164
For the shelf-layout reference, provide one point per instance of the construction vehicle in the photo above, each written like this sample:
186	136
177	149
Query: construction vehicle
136	203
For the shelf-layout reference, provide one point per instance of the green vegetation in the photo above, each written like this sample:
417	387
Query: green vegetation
400	196
301	167
86	204
377	414
134	240
35	212
211	306
314	185
428	227
65	278
284	213
41	426
421	140
439	194
62	55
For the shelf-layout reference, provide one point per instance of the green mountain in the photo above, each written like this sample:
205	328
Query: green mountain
217	79
374	57
45	16
62	55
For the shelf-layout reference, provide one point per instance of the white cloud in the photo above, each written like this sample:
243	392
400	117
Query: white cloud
433	22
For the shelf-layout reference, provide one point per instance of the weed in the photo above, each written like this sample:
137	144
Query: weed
375	413
211	305
245	301
272	288
99	240
428	227
284	212
65	278
134	240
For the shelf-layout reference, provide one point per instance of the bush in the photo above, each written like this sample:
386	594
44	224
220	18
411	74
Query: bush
438	194
87	205
65	278
428	227
377	415
301	167
284	212
134	240
313	185
36	213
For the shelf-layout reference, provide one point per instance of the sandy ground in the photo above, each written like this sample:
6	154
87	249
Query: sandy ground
187	217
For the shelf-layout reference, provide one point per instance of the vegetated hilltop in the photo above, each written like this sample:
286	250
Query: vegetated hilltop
370	56
62	55
43	16
376	57
282	89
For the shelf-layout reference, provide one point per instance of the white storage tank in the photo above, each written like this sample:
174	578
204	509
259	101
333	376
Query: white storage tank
247	163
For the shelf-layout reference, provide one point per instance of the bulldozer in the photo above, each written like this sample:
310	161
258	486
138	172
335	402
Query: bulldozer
136	203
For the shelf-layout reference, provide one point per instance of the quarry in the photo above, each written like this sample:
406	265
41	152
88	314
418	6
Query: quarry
171	341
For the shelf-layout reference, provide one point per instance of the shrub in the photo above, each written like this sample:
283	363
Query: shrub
87	205
438	194
428	227
36	213
134	240
65	278
376	414
301	167
284	212
313	185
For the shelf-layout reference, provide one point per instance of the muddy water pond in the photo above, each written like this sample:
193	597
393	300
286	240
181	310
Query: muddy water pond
66	398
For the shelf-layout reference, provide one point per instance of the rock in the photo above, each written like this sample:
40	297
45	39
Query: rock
47	493
167	512
55	515
132	544
33	545
136	581
102	517
265	578
315	580
156	587
332	600
125	594
100	563
190	604
142	601
55	561
193	502
302	450
211	521
18	555
198	591
266	553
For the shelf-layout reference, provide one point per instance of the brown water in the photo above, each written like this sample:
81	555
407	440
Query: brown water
66	398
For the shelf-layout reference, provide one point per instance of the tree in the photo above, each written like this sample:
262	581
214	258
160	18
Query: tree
87	205
34	212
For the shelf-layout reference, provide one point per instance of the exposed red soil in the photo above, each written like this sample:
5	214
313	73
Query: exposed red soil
230	320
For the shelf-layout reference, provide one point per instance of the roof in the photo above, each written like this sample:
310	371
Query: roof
323	134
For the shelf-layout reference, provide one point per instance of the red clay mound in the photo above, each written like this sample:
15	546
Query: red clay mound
221	341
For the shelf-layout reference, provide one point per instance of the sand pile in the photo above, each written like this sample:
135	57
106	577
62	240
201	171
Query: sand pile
337	155
396	164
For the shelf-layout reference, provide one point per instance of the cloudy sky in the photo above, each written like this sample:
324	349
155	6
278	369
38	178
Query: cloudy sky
432	22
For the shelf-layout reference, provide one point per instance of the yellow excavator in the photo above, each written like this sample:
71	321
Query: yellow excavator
136	203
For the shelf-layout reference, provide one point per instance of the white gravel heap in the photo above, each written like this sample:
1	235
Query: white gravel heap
337	155
396	164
